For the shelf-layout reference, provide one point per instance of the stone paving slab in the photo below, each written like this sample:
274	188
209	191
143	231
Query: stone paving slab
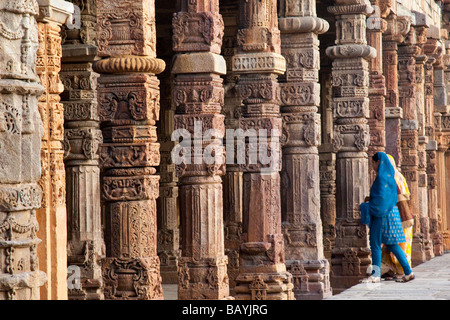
432	283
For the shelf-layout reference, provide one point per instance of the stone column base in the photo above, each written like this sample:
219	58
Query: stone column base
205	279
311	279
349	265
132	279
418	254
265	286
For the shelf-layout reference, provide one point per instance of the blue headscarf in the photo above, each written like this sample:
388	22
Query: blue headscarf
383	193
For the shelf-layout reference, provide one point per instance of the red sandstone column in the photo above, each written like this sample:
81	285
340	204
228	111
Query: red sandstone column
350	81
397	28
408	52
300	194
198	96
233	178
262	270
128	100
433	49
376	26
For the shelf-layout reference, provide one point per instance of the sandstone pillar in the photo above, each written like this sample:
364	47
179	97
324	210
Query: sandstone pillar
422	209
442	124
350	81
198	96
52	215
408	52
327	165
300	189
233	178
397	28
262	270
128	102
376	26
20	132
433	49
167	203
82	137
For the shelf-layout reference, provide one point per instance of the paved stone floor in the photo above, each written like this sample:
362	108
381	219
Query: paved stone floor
432	283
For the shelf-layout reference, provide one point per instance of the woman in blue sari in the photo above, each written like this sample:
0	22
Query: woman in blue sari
381	214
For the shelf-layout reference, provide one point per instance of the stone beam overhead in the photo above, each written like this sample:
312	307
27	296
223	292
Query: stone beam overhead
198	96
300	202
20	135
350	85
258	62
128	102
52	216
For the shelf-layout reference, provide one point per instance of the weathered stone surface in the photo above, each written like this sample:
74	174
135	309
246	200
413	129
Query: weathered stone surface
82	138
300	201
262	269
350	85
198	97
21	131
52	216
129	105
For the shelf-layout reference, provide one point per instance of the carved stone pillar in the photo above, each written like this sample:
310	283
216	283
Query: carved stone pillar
397	28
442	125
52	215
233	178
376	26
167	203
327	165
433	49
128	102
82	137
407	83
262	270
350	81
20	140
422	209
198	97
300	200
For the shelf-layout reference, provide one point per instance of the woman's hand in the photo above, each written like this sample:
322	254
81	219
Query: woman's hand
367	199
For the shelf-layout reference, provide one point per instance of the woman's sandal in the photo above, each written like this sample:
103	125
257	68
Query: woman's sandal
371	279
407	278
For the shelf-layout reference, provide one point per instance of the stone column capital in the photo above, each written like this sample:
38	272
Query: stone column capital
56	11
397	28
303	25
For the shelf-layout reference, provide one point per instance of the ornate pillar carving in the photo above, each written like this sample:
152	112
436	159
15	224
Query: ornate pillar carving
408	97
376	26
442	124
233	178
262	270
167	203
433	49
397	28
52	215
20	131
421	60
327	167
82	137
300	189
198	97
350	81
128	102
